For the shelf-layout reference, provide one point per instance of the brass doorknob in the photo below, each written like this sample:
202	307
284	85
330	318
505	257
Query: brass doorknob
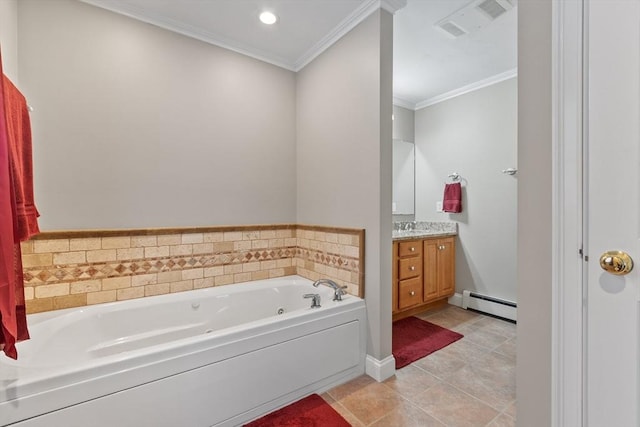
616	262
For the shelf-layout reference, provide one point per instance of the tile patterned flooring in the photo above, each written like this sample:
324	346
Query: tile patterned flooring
468	383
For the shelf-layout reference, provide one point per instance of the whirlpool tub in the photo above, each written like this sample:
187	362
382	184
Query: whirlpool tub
218	356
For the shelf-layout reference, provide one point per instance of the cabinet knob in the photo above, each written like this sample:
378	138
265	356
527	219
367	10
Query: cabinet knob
412	268
412	293
412	249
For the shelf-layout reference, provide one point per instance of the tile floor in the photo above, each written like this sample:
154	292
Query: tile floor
468	383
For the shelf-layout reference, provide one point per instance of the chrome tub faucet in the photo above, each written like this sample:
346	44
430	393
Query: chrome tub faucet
338	290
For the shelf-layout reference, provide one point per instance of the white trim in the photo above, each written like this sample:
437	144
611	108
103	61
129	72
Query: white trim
567	234
509	74
455	299
392	6
347	24
380	370
399	102
189	31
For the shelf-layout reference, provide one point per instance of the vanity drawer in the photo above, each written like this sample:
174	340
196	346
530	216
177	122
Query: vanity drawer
411	248
409	267
409	292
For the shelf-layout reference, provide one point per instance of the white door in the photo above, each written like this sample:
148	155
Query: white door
612	140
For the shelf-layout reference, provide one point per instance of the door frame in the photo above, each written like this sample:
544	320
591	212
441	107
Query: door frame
569	41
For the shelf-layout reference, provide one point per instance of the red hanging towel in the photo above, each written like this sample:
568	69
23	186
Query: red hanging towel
452	201
18	216
20	160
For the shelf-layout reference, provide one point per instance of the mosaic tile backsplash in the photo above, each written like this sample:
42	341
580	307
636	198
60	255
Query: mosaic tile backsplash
78	268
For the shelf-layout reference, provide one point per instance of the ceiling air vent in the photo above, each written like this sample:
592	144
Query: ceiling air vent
452	29
494	8
473	16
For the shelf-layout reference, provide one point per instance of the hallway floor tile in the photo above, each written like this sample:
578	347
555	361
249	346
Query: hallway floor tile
468	383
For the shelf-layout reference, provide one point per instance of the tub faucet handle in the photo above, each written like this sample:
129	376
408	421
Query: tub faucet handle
315	299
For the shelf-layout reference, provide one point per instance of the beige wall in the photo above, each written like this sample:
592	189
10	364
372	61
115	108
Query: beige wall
534	213
474	134
9	38
344	154
138	127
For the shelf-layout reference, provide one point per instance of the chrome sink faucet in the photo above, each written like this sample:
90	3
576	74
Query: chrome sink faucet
338	290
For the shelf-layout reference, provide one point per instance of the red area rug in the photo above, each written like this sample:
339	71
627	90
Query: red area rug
414	339
312	411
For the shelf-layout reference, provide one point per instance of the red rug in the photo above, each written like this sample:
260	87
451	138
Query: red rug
312	411
414	339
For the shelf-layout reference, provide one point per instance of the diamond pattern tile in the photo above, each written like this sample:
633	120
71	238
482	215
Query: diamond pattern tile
314	252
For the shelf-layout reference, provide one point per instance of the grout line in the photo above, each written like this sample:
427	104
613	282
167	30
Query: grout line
498	416
349	412
480	400
438	377
494	418
499	411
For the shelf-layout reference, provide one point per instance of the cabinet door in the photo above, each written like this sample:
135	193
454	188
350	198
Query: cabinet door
446	266
430	269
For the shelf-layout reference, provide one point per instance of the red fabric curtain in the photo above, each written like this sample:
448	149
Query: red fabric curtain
18	215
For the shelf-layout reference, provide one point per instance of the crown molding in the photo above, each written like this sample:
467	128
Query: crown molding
189	31
399	102
346	25
392	6
468	88
349	23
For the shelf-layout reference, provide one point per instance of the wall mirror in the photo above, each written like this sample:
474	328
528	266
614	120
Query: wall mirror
403	177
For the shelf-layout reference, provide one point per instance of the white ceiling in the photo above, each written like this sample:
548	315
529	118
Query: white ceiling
428	64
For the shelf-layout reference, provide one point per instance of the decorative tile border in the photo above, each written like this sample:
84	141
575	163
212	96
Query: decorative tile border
332	253
75	268
60	273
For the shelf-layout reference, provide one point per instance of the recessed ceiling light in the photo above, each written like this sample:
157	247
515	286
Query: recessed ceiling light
268	18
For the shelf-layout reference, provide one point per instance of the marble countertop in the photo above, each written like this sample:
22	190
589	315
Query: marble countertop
409	230
419	234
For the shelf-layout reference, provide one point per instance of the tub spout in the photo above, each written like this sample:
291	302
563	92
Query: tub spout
338	290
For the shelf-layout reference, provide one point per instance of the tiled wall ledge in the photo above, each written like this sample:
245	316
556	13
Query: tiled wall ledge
74	268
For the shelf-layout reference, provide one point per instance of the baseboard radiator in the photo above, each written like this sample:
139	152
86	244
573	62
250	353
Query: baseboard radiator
489	305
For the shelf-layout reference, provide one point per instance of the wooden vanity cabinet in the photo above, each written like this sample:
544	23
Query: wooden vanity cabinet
423	274
446	267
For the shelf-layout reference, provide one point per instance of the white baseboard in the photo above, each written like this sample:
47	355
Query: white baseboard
380	370
455	299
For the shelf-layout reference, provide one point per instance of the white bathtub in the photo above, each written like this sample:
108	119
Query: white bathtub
217	356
